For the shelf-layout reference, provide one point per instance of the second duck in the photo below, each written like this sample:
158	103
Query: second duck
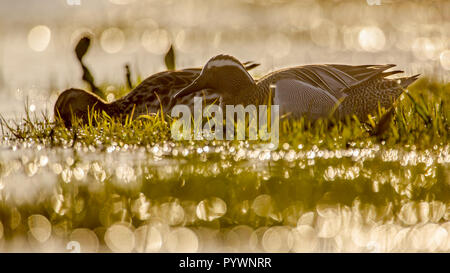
315	91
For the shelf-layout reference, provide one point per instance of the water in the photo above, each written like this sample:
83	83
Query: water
171	198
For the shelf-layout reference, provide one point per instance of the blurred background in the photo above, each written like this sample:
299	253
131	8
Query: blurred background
37	38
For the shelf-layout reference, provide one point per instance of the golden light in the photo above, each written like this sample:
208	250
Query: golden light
305	239
325	34
112	40
424	49
120	238
40	227
121	2
86	238
306	219
80	32
182	240
371	39
277	239
148	239
110	97
211	209
180	40
172	213
1	230
156	41
39	38
305	15
444	57
278	45
125	173
328	222
263	205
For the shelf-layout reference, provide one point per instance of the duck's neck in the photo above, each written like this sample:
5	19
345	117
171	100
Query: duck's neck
263	95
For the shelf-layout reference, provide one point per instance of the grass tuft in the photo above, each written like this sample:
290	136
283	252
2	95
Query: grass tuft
420	118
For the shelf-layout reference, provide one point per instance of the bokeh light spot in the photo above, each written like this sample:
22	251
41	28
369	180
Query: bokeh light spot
39	38
40	227
112	40
445	59
156	41
182	240
424	49
120	238
371	39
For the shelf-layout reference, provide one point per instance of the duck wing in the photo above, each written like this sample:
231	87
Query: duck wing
332	78
367	74
359	89
297	98
168	83
159	90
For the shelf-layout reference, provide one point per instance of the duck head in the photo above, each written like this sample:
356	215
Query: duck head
76	102
225	76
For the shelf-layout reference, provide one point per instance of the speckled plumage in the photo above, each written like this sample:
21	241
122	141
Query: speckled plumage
351	90
157	91
154	94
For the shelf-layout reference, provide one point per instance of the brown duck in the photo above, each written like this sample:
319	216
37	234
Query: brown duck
315	91
153	94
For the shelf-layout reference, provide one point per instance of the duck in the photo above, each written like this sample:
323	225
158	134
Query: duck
155	93
314	91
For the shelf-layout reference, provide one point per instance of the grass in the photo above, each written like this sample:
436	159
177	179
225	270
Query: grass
420	118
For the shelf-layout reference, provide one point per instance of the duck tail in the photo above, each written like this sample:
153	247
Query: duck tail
250	65
405	82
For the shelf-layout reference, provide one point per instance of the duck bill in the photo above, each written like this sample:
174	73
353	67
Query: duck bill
195	86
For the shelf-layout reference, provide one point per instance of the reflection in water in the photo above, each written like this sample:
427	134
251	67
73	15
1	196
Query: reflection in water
357	200
211	209
86	238
39	227
120	238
